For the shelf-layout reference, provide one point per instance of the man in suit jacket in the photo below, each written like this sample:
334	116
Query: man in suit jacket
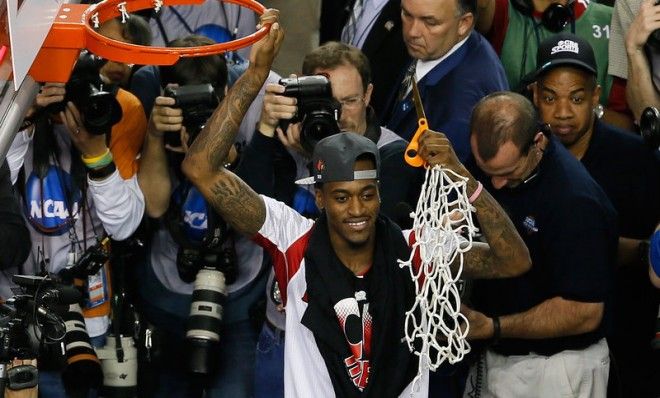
377	33
453	65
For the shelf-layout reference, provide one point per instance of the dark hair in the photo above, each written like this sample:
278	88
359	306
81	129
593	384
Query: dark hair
465	6
134	30
196	70
333	54
501	117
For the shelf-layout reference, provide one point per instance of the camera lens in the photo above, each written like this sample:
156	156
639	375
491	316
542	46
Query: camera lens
649	126
205	319
316	125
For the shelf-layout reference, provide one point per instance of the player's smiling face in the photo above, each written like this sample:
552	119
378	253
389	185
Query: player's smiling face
351	208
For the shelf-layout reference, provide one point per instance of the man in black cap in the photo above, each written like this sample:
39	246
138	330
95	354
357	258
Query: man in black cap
344	293
566	95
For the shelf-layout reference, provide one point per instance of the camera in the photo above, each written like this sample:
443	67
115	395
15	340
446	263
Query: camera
197	102
95	100
318	111
30	319
214	270
211	265
649	127
88	264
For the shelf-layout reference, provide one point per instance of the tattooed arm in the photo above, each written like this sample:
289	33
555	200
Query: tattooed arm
237	203
505	253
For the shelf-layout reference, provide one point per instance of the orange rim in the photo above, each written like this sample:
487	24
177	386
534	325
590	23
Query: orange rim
131	53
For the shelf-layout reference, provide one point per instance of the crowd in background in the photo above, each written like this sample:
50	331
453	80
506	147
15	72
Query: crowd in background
549	106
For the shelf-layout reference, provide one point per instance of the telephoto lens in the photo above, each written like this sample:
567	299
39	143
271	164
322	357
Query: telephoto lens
205	320
83	369
119	364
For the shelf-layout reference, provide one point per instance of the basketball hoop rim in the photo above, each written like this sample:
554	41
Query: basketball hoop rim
147	55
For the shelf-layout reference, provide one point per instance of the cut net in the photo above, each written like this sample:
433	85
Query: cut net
435	329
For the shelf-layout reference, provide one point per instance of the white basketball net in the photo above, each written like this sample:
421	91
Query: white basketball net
443	231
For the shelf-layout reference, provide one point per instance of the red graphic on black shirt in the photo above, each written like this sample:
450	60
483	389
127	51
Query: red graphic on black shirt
355	320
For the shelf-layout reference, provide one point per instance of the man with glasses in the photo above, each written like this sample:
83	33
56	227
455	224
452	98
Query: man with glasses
349	73
547	325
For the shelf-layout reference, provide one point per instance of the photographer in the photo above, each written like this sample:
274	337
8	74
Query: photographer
135	30
349	73
190	242
74	165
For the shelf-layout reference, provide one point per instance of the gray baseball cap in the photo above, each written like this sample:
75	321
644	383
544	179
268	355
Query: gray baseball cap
334	159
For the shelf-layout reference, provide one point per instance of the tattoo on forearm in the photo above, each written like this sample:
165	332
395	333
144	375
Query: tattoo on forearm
505	245
220	131
238	204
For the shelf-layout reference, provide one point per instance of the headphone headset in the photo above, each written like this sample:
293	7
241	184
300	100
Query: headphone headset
554	18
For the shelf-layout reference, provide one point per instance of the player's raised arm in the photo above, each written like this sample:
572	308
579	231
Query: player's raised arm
237	203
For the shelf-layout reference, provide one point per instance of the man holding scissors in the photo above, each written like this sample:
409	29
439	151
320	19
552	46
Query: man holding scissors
453	65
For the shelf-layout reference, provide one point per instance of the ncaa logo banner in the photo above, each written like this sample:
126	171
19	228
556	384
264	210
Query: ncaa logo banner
52	204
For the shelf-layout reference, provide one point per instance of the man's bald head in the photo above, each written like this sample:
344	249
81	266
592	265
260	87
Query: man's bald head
501	117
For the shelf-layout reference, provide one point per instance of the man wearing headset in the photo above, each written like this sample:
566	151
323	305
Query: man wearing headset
516	27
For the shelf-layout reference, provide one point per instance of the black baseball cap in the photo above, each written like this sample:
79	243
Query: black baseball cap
334	159
565	49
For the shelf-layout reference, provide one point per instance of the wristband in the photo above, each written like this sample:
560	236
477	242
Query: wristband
497	330
98	161
476	192
94	159
103	172
654	252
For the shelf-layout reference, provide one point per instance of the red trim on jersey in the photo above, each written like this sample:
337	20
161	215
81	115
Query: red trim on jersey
285	264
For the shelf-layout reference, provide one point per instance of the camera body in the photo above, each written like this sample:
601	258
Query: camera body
197	102
88	264
318	111
95	100
28	321
649	127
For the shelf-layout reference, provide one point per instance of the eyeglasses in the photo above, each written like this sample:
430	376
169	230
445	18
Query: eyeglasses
352	102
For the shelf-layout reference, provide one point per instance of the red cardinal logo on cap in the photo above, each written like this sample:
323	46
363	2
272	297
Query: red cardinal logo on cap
320	165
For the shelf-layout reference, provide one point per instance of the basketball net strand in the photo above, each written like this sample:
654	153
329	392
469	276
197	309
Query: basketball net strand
435	329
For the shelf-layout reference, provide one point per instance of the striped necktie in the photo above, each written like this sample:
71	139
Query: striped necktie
350	29
406	83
